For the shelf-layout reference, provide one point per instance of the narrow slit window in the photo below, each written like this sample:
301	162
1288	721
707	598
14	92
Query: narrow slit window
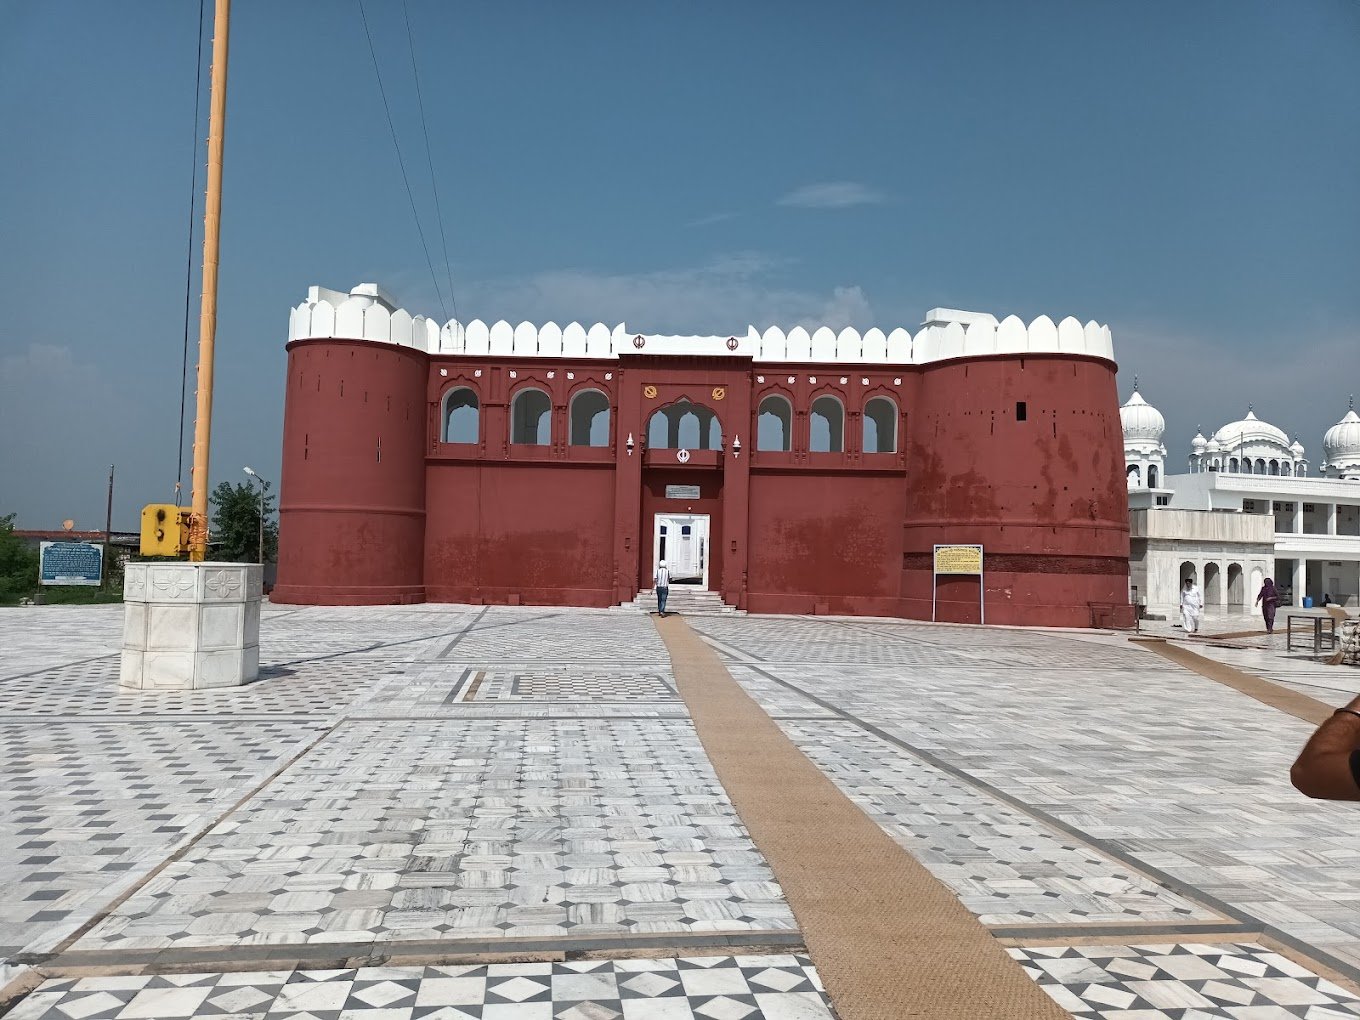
1021	410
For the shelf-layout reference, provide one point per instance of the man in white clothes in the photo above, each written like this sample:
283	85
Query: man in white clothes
1192	606
662	577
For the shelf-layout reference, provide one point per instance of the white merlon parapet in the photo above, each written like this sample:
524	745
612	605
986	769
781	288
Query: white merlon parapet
369	313
944	316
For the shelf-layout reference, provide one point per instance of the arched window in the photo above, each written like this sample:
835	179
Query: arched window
686	426
1286	469
461	416
589	419
774	425
1232	464
880	426
1274	467
531	418
828	426
1260	466
1152	476
657	427
687	433
1132	477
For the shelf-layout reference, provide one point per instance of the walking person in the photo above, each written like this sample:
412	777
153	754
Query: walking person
1269	601
662	577
1192	606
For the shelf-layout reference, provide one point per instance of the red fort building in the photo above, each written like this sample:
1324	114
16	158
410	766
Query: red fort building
785	472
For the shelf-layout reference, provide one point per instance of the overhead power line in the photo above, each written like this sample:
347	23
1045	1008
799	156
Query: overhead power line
429	158
401	162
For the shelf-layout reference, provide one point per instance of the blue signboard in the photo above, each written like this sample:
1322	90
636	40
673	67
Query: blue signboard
71	563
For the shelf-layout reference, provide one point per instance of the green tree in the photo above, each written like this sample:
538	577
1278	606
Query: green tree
236	523
18	563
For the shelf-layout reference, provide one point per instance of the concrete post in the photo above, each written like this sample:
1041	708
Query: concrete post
1297	526
1331	518
1300	580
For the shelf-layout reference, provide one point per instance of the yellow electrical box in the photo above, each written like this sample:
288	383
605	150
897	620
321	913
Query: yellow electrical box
165	529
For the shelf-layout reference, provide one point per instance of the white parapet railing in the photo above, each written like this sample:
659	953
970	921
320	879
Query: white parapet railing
368	313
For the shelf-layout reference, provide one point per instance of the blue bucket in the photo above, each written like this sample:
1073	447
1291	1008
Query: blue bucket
1308	602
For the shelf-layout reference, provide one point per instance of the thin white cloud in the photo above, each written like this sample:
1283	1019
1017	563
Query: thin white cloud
832	195
712	218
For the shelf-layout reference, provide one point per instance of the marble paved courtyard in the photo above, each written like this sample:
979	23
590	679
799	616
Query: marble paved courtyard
508	814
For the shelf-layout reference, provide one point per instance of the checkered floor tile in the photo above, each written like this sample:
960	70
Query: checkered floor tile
87	807
508	634
483	828
701	988
1184	982
320	687
1004	865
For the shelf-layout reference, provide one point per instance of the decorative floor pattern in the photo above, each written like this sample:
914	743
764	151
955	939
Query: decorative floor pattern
317	687
1004	865
1184	982
508	634
1187	777
88	808
558	685
473	829
35	638
884	643
453	689
571	798
698	988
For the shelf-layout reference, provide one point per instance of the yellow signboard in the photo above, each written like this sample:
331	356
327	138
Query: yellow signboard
958	559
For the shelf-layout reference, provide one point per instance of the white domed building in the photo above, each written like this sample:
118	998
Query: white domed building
1248	509
1341	448
1249	447
1144	453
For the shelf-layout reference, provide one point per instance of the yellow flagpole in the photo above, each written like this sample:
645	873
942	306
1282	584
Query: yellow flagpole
207	327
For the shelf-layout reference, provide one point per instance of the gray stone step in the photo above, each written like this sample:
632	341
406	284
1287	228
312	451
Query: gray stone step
684	600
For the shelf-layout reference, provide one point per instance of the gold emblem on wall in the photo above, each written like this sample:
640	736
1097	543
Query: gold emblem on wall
649	392
719	392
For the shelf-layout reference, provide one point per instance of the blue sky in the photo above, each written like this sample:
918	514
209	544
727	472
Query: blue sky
1188	173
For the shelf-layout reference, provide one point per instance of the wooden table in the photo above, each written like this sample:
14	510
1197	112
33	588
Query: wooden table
1316	620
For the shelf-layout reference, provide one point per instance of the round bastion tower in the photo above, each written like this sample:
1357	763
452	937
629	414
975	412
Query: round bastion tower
352	493
1019	448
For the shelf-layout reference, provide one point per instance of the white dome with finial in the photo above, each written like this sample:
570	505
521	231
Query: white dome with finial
1341	445
1251	428
1142	422
1199	442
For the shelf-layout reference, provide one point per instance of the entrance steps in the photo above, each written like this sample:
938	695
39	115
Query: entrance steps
687	600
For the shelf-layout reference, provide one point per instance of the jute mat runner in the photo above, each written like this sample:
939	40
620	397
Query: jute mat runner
1275	695
888	938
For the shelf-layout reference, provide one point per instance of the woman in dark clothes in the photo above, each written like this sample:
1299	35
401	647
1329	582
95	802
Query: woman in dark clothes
1269	600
